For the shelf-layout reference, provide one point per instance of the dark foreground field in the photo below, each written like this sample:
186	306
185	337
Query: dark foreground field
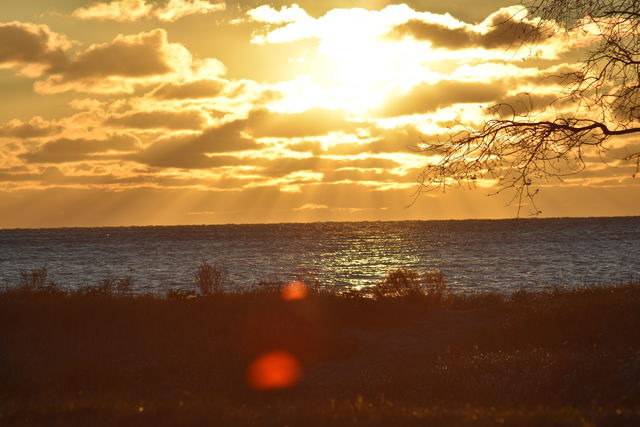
98	358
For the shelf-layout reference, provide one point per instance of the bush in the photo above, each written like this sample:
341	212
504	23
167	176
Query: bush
398	283
405	282
36	280
210	278
434	285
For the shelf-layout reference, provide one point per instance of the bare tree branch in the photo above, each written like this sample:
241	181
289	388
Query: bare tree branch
522	150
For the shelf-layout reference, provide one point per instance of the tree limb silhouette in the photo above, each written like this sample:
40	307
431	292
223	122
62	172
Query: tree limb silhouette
518	149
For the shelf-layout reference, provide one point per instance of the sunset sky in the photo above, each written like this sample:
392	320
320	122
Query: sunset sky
140	112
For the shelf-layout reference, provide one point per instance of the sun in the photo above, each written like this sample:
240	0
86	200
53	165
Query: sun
362	69
355	62
354	69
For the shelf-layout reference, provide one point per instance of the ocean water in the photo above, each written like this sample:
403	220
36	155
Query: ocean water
474	255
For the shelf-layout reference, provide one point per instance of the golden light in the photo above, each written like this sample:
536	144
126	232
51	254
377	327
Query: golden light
294	291
356	64
277	369
362	71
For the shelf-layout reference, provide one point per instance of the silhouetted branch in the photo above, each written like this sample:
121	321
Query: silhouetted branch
522	150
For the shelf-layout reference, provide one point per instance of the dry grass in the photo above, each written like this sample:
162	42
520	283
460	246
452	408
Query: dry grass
106	357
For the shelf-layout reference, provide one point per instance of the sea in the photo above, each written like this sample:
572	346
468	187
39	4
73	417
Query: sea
473	255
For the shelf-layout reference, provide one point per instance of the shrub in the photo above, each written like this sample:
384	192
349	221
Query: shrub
405	282
398	283
36	280
434	285
210	278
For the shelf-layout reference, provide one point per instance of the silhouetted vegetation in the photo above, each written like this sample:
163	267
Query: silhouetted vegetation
404	282
210	278
415	354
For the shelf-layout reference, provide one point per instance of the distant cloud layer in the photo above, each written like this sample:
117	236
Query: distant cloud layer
35	128
120	65
196	89
134	10
32	49
428	97
159	120
71	150
507	28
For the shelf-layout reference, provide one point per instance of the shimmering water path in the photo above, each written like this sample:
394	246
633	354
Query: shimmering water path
474	255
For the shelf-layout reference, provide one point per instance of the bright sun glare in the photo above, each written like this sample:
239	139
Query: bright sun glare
350	74
358	79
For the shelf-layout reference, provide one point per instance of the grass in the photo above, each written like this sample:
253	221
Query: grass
414	355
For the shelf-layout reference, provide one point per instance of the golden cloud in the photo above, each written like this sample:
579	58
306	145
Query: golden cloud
429	97
73	150
191	152
32	49
313	122
310	207
286	14
523	104
506	28
134	10
176	120
374	52
122	65
206	88
35	128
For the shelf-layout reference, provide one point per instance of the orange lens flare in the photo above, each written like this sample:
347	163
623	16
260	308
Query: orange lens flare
274	370
294	291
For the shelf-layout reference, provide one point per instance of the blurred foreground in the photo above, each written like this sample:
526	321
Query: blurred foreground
293	355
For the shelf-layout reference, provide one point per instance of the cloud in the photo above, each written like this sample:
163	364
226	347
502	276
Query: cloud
73	150
159	120
314	122
284	166
177	9
286	14
397	140
401	139
101	177
506	28
134	10
190	152
293	23
509	27
396	33
120	65
311	207
122	10
428	97
207	88
34	128
32	49
563	75
522	104
24	175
